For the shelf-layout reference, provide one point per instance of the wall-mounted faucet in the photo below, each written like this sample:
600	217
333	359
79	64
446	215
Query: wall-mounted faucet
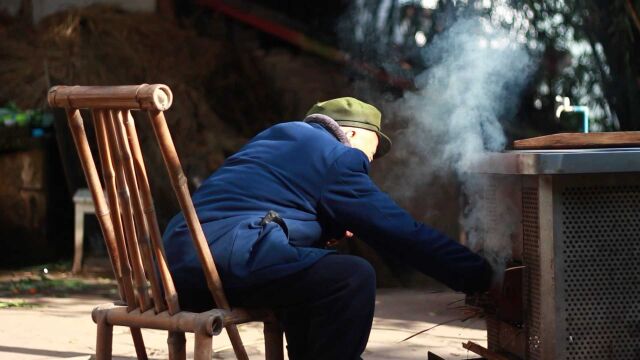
565	106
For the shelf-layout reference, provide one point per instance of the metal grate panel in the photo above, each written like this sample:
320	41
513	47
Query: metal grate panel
490	190
600	232
493	333
531	260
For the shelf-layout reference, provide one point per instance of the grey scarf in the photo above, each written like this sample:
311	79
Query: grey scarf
331	125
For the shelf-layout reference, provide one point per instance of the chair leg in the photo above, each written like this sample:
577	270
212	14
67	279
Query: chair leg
138	343
104	340
273	346
78	238
203	346
177	349
236	342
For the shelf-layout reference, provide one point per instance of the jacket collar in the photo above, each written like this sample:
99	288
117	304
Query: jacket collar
330	125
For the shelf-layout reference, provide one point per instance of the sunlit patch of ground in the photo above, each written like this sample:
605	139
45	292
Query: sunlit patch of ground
53	321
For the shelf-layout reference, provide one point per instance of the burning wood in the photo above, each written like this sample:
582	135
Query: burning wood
484	352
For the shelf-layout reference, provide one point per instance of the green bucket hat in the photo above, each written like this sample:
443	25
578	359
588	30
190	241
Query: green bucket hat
348	111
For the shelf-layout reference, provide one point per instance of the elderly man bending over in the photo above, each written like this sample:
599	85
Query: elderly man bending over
269	210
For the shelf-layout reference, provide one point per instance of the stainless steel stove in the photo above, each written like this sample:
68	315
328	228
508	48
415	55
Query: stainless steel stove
578	237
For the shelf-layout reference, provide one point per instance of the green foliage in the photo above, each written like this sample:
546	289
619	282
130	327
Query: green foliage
16	304
42	285
588	50
52	280
11	115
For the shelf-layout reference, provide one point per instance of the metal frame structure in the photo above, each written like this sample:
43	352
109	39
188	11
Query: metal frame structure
579	217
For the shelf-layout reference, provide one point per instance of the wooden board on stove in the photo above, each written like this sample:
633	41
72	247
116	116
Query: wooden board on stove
580	141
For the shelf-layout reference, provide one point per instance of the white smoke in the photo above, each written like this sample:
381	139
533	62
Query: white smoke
474	77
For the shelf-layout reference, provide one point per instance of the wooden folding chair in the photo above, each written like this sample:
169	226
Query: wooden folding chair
130	227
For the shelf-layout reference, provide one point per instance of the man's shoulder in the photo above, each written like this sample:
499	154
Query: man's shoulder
293	129
352	160
288	126
310	136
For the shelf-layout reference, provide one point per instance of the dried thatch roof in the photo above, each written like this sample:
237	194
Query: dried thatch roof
105	46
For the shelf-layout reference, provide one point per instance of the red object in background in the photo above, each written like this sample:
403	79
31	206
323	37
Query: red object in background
304	42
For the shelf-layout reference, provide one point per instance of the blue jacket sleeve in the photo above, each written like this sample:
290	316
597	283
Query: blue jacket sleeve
353	201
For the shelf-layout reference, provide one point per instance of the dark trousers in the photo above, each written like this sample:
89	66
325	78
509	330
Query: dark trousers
326	310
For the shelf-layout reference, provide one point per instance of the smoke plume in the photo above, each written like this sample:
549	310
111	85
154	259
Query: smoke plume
474	76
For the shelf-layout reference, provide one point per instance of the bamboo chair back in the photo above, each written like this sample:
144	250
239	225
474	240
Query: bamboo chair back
126	213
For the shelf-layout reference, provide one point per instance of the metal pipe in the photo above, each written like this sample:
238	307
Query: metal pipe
585	116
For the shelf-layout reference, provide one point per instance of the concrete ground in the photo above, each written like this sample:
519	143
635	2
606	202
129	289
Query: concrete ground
60	327
46	313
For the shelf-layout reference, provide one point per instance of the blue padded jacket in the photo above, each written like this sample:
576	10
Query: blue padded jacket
321	188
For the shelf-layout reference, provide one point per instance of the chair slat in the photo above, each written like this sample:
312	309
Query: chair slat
93	180
102	211
142	230
179	183
110	182
170	293
127	217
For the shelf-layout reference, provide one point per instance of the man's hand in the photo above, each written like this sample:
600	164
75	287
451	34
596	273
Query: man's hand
504	297
334	242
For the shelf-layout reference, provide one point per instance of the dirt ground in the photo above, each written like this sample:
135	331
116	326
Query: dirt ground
44	316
